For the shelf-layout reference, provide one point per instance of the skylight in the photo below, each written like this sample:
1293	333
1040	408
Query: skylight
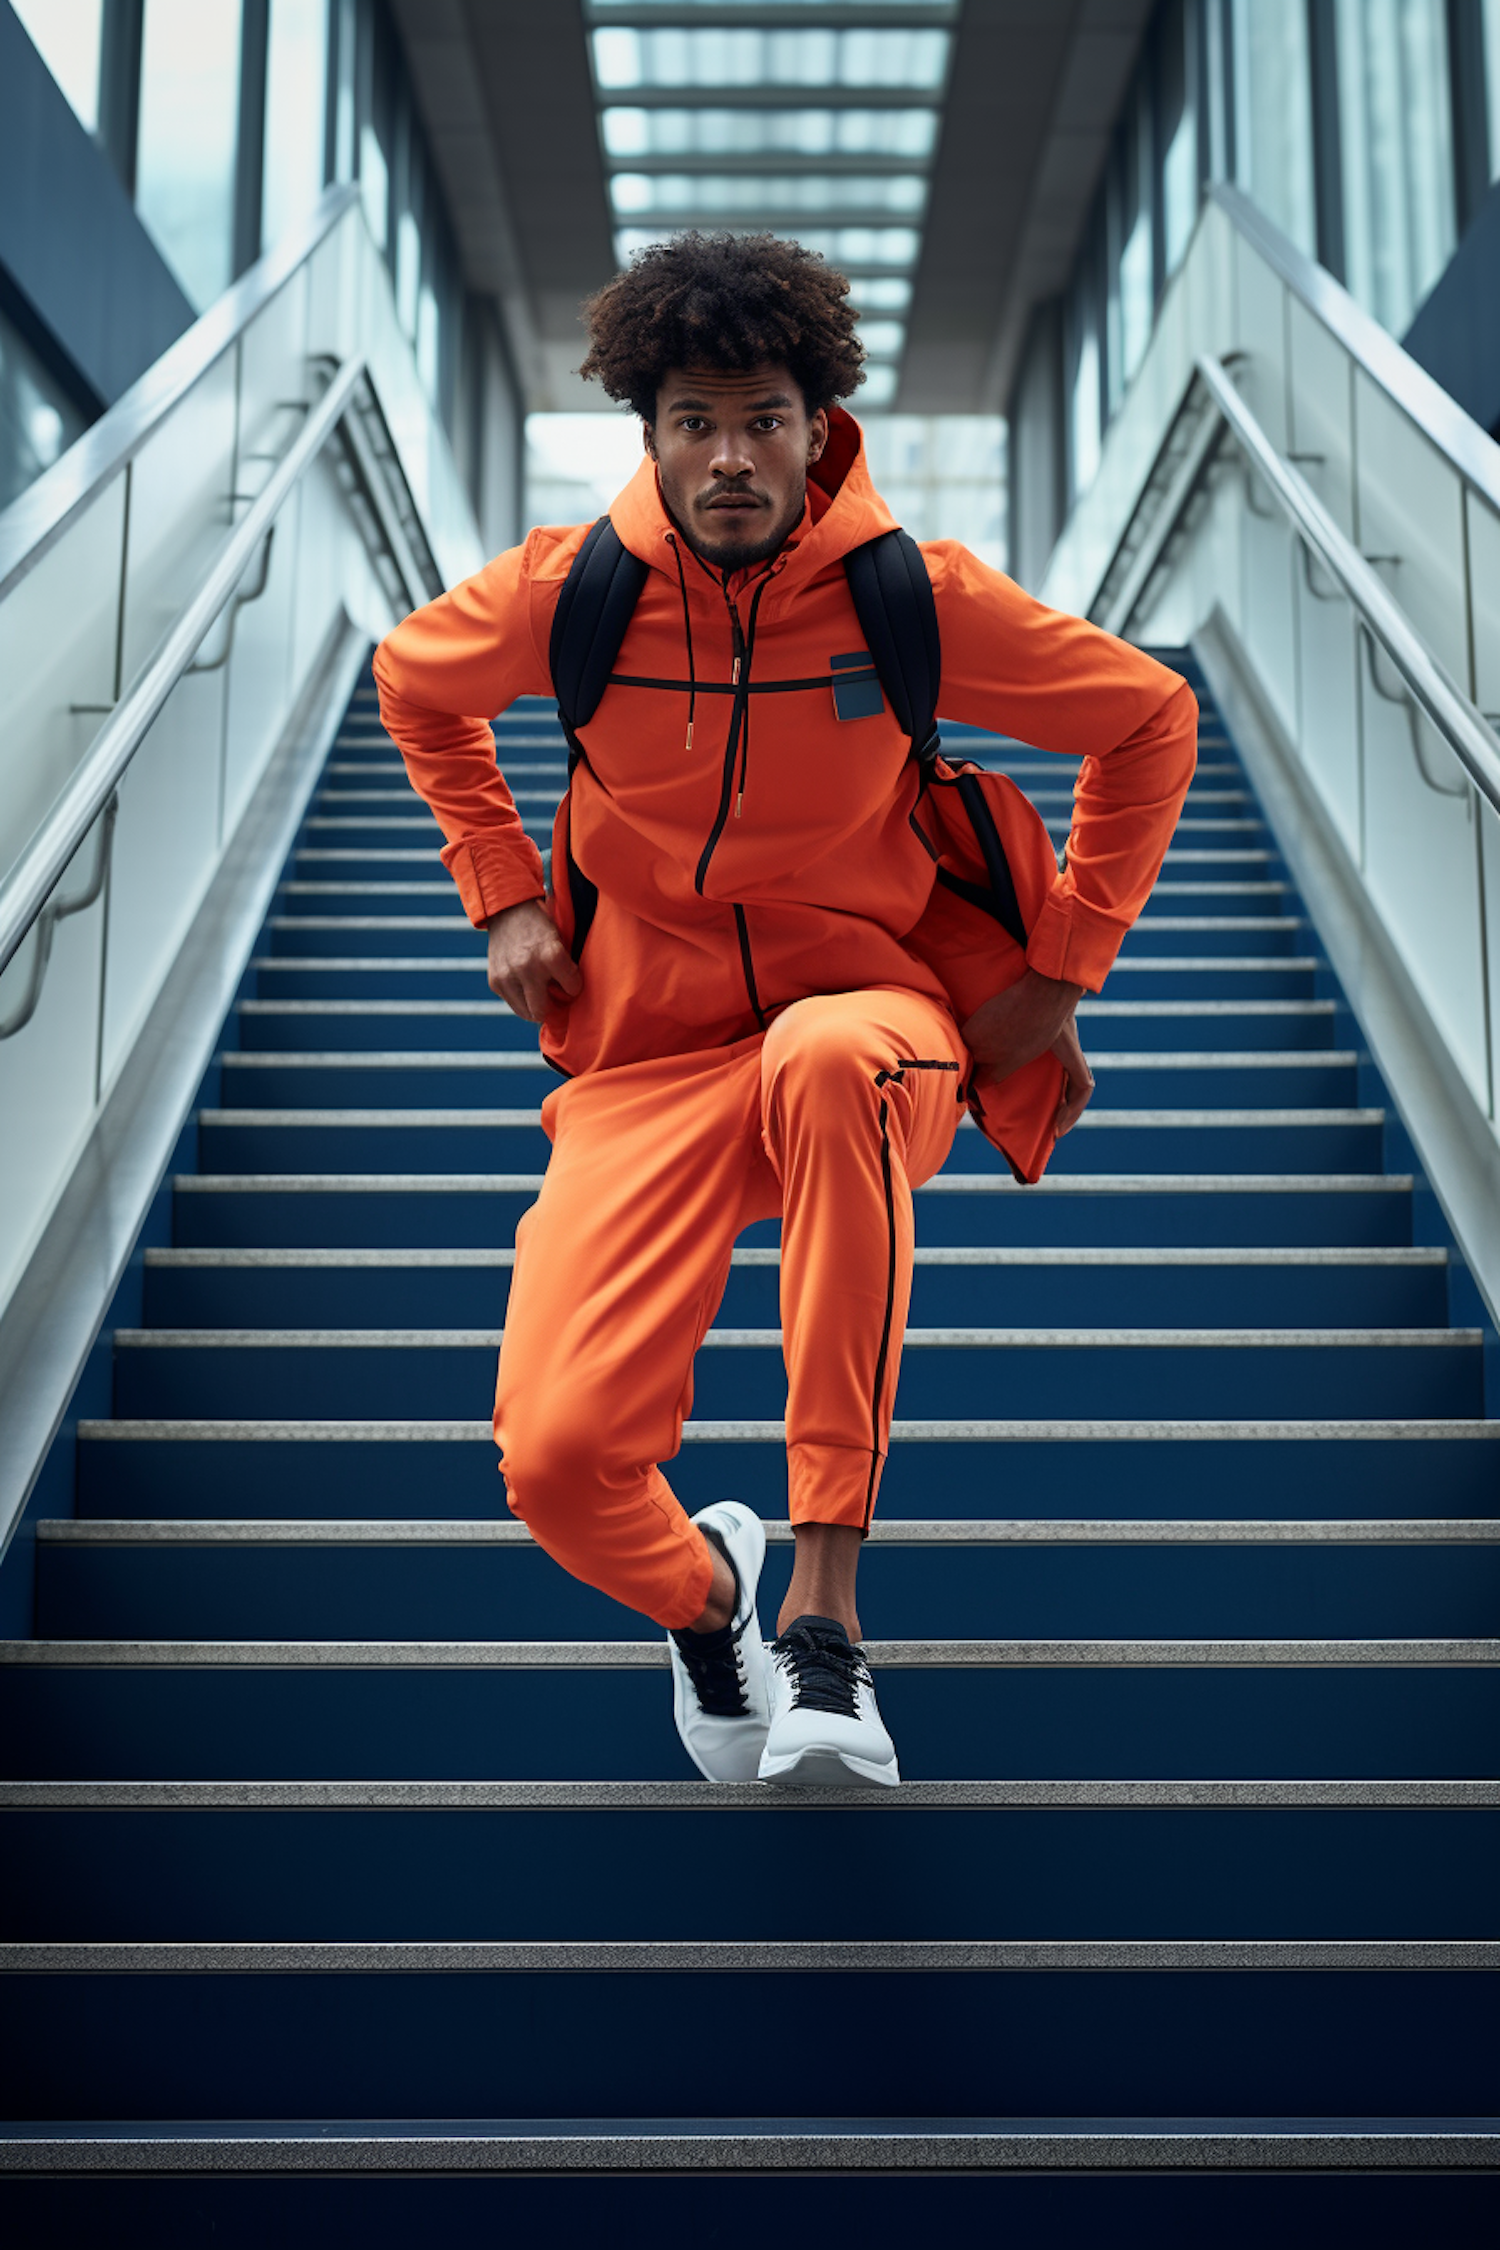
823	130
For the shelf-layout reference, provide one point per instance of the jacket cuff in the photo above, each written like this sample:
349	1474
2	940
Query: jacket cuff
1075	943
493	875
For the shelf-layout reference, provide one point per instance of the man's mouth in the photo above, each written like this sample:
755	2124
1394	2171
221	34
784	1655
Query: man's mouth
726	503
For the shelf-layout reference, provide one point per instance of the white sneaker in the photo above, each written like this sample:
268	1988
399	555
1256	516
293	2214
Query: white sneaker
720	1681
826	1727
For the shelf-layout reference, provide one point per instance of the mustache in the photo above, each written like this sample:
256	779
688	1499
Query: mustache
747	492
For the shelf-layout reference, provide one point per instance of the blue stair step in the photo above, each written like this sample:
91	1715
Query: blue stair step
1002	1288
970	1470
202	1861
285	1026
136	1586
1217	1026
468	1078
495	1710
430	1211
402	971
510	1139
311	2031
1183	1374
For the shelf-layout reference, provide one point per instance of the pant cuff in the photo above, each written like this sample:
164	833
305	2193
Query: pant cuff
833	1483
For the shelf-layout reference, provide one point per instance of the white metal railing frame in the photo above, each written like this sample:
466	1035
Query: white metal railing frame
289	422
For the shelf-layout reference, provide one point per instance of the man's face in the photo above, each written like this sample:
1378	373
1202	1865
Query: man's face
733	452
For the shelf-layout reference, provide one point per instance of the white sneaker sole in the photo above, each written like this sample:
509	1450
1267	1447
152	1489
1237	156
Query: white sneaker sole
815	1768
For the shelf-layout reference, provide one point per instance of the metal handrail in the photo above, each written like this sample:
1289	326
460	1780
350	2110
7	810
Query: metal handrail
36	874
1440	699
1383	623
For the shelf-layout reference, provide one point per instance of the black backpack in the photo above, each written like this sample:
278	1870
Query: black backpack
892	597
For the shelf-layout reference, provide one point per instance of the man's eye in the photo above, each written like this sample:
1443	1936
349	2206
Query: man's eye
768	422
693	422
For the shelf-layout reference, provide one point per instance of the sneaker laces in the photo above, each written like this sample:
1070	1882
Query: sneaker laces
825	1673
714	1664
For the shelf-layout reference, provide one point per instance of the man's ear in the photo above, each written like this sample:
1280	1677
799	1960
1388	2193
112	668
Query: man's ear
648	439
817	436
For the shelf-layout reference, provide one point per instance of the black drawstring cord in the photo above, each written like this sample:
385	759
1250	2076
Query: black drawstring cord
687	626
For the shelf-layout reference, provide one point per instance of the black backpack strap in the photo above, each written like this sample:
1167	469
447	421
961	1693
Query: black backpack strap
892	596
593	610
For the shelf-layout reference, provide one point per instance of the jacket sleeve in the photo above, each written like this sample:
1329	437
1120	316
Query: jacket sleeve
1059	683
443	675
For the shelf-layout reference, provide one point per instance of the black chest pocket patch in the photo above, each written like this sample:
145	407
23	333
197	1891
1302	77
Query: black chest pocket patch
857	696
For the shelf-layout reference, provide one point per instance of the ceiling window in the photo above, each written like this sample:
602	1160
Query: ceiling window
823	131
714	195
736	57
722	133
296	63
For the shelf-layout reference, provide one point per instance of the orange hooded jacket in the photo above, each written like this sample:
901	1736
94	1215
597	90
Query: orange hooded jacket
750	847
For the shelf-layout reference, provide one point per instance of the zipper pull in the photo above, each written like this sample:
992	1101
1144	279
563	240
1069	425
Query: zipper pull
739	800
734	677
689	743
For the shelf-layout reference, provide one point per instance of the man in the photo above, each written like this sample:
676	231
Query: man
748	1018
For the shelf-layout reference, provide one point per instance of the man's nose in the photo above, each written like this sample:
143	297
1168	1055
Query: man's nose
731	457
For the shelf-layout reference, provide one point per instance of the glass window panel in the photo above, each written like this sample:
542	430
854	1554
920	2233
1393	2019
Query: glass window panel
296	63
625	57
851	249
883	296
38	419
1273	113
1084	410
66	34
408	270
374	185
1492	79
877	389
711	193
769	132
428	333
1396	133
883	339
1179	179
1135	295
185	153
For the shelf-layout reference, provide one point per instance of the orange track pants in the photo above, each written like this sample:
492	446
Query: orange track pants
622	1261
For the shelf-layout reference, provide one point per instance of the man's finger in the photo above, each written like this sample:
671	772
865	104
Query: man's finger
566	974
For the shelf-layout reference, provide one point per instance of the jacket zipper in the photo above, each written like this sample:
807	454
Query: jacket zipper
744	645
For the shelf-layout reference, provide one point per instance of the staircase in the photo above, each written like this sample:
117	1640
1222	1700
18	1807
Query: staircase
353	1875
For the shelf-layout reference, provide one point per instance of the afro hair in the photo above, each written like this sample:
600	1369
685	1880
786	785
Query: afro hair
726	302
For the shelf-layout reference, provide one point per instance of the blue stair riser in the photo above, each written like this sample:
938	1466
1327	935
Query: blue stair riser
388	2209
1024	1380
1267	1146
480	2045
283	976
373	1875
979	1592
434	1084
1044	1296
444	1218
390	925
1295	1026
966	1480
501	1723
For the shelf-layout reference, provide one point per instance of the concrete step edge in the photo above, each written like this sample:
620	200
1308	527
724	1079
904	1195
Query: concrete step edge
620	1656
749	1796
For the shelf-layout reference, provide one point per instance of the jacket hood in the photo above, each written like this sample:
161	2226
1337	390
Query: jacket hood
844	510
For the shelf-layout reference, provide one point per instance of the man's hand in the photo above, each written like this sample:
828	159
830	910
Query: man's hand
1017	1025
1033	1017
529	967
1078	1080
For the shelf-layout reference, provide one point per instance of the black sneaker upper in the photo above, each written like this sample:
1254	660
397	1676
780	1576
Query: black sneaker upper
826	1670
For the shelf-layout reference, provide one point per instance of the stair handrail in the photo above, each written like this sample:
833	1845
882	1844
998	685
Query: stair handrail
1458	721
29	885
